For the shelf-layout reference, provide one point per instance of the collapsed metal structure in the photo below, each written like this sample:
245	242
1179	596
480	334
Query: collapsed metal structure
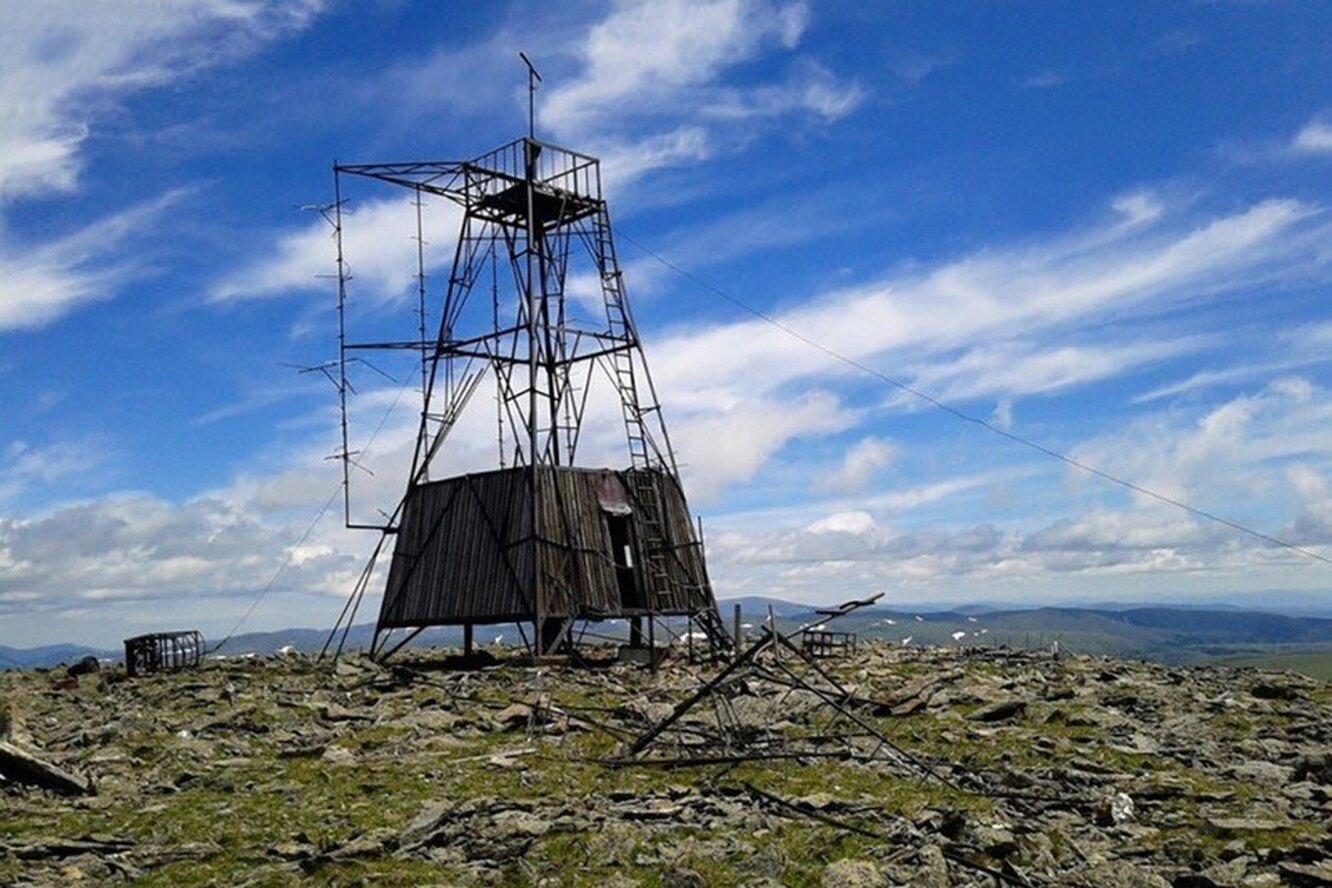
538	539
827	707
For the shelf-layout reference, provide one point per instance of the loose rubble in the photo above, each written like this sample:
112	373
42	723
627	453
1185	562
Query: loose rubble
999	768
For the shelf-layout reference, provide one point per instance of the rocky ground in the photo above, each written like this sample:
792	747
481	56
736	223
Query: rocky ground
938	767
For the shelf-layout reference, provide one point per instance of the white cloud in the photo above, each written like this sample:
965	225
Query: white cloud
1314	337
26	466
1024	294
628	159
858	523
1315	138
1233	453
895	501
63	65
724	446
1263	458
651	89
1138	206
41	283
136	547
475	78
1297	347
810	88
1044	80
650	54
64	60
1205	379
206	558
1102	537
379	247
915	68
861	463
1012	368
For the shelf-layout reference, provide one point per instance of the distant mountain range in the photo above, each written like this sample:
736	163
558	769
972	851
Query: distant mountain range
1168	634
1171	634
49	655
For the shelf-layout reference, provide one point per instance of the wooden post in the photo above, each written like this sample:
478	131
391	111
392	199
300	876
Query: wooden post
652	642
467	639
738	630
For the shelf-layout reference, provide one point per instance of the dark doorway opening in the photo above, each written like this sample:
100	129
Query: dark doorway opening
621	530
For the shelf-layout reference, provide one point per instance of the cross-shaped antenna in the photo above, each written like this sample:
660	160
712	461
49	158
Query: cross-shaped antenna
533	78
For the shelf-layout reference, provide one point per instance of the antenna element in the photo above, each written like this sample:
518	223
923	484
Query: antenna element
533	78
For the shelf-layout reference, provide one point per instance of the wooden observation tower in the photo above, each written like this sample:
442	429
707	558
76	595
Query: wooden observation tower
539	539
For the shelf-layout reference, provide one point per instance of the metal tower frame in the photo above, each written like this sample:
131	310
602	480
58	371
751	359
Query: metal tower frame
528	208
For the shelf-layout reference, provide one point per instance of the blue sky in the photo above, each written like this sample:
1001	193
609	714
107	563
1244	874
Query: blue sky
1101	227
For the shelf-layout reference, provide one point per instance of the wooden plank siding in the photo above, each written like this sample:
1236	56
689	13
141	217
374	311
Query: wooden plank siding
463	552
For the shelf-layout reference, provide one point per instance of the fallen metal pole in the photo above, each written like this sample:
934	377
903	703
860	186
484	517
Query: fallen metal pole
685	705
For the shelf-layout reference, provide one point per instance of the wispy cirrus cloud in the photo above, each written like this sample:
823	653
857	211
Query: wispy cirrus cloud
1009	369
1300	347
1314	138
1048	79
65	62
379	240
1006	323
654	57
651	90
42	282
861	464
64	66
27	466
1033	297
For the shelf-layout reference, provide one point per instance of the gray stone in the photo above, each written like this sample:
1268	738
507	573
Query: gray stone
1228	826
1001	711
1122	874
849	873
339	755
1265	773
1310	875
25	767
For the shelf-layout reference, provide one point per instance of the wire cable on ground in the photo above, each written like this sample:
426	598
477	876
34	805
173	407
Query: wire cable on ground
974	420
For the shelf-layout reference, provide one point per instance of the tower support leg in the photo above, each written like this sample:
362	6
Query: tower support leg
550	635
